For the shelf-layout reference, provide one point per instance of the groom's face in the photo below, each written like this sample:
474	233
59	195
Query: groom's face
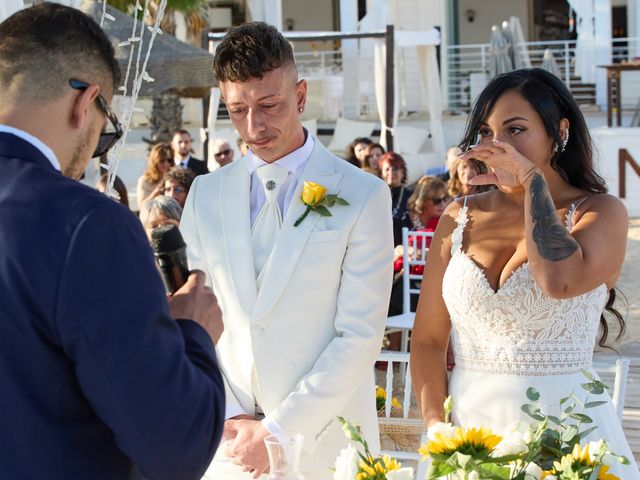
266	111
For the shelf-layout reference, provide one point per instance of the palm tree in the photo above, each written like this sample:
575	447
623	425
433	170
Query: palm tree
166	112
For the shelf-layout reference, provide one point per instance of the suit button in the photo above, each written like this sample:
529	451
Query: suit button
257	329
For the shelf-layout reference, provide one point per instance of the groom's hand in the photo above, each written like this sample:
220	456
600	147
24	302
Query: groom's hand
246	444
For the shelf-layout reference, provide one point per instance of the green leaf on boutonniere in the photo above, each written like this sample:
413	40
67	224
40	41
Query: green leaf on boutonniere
341	201
323	211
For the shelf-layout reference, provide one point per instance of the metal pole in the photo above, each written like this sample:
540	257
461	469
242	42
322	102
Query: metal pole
389	87
567	66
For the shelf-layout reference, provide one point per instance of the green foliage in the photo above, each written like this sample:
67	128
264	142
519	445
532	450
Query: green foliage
177	5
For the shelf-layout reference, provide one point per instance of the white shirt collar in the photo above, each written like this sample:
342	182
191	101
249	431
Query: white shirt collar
292	161
36	142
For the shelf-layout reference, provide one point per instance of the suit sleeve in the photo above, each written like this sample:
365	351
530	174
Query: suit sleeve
363	299
154	381
197	261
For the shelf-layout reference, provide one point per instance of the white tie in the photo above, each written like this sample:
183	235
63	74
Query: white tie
269	219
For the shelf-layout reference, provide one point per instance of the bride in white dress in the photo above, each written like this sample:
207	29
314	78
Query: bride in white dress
519	276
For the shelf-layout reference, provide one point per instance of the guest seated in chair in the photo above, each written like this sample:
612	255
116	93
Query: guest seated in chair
394	171
159	211
372	158
357	150
159	162
177	183
424	208
461	172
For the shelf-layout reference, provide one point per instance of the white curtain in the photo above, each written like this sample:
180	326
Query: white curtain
431	82
380	67
9	7
585	62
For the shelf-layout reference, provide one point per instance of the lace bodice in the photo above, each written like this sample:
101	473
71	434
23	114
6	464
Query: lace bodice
518	330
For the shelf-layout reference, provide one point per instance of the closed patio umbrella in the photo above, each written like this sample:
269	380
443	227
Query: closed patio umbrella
549	62
499	55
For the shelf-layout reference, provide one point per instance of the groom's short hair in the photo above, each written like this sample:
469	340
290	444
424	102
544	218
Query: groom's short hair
250	51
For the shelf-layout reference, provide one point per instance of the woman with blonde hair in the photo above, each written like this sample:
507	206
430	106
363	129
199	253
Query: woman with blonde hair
151	182
461	172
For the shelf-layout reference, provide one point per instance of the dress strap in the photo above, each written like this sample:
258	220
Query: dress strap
568	219
456	236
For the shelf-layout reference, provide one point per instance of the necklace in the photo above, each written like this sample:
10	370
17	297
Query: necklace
396	207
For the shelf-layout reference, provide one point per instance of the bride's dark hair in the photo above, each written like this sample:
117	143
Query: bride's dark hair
551	99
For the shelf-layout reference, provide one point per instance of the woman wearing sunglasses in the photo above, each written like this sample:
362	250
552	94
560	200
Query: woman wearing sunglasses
151	183
424	207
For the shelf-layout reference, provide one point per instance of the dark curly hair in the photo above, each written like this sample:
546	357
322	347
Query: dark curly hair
182	176
249	51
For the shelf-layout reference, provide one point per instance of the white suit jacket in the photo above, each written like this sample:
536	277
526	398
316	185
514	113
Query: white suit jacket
315	328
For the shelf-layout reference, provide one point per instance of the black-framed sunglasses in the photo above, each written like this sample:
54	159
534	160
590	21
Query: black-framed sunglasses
107	139
438	201
222	153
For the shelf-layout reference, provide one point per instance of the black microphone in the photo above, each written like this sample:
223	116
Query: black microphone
171	256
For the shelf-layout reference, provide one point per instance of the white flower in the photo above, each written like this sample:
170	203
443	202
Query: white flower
445	429
533	472
473	476
512	443
595	447
400	474
346	464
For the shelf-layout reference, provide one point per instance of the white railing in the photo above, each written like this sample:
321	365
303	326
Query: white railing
468	68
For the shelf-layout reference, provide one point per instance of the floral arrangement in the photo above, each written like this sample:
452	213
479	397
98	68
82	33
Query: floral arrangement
381	400
352	464
549	448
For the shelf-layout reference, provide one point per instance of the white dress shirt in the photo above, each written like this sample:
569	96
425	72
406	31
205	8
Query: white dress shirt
294	162
36	142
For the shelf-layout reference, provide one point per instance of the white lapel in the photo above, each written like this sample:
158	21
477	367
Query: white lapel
236	232
291	241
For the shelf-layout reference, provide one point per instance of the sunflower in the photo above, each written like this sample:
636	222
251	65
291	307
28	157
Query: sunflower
381	397
580	457
380	467
472	441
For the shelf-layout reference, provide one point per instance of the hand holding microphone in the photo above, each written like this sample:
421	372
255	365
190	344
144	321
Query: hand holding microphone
190	297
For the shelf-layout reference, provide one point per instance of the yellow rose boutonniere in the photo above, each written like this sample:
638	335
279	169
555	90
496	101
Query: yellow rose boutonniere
315	197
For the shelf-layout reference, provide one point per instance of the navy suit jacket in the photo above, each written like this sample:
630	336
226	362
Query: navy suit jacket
97	381
198	167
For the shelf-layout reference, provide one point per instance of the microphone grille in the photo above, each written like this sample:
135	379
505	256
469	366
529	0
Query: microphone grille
166	239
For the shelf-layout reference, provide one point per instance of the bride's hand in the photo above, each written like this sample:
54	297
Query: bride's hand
507	166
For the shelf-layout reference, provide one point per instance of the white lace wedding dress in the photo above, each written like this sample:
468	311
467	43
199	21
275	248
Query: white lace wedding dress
507	341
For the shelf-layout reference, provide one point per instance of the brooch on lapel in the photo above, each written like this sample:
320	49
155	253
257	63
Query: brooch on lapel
315	197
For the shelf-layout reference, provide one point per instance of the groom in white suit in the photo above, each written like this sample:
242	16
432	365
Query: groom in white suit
304	306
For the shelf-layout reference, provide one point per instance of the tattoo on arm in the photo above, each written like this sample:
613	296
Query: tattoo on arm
550	236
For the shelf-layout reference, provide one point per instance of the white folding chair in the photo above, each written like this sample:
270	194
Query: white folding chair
415	250
620	370
412	429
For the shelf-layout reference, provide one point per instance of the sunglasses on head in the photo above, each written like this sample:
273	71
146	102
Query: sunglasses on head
107	139
222	153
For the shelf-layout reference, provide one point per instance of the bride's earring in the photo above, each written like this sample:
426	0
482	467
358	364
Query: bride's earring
565	140
555	148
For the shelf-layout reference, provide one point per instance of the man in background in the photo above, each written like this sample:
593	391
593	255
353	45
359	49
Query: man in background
101	378
181	143
222	152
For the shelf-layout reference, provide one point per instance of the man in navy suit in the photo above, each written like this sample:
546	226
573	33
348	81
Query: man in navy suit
181	143
97	379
